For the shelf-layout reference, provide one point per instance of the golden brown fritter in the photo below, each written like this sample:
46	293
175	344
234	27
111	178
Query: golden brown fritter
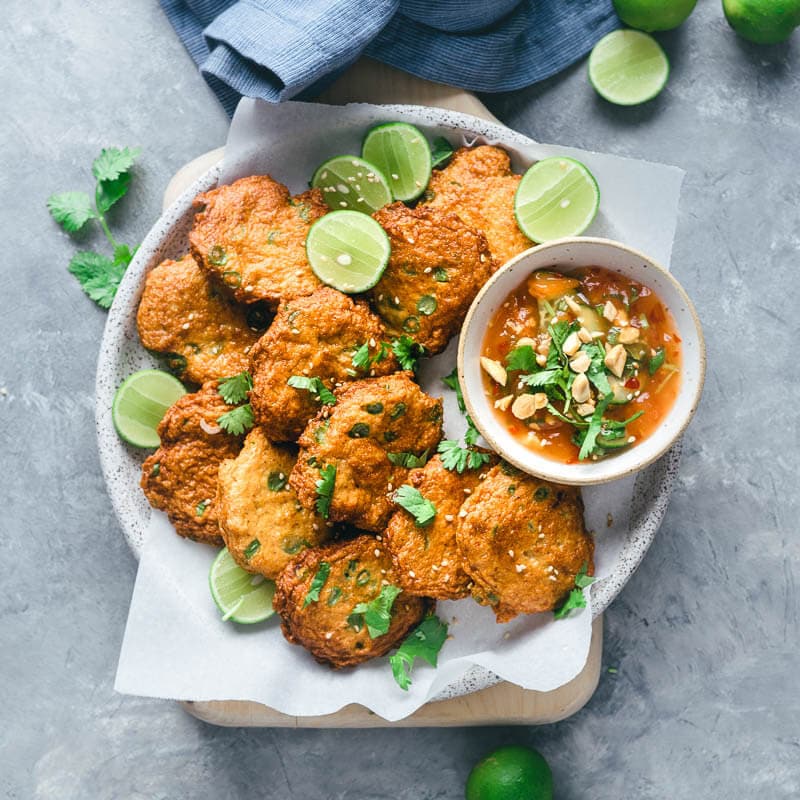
371	419
262	523
315	336
183	314
251	235
181	476
522	542
479	186
437	266
426	559
327	627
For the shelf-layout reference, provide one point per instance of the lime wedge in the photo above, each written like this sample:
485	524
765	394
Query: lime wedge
628	68
350	182
401	152
141	402
241	596
556	197
348	250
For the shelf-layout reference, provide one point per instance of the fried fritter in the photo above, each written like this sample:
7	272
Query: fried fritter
522	542
184	315
437	266
479	186
262	523
427	559
315	336
181	476
371	419
327	627
251	235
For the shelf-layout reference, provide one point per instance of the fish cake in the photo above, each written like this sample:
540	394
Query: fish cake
328	628
426	559
523	541
180	478
186	316
251	235
315	336
437	266
262	523
479	186
371	418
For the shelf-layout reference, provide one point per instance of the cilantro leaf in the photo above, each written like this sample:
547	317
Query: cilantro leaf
411	499
315	386
325	486
362	359
71	210
98	276
522	359
123	254
378	612
237	420
597	370
595	424
234	390
113	162
656	361
424	642
408	459
407	352
451	381
441	152
107	193
458	458
542	378
576	599
312	596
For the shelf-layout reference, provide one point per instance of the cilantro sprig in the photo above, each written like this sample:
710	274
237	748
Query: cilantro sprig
234	390
425	642
364	361
99	275
575	599
377	613
408	459
407	352
315	386
413	501
238	420
325	486
318	581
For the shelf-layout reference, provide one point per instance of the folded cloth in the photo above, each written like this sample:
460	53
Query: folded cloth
280	49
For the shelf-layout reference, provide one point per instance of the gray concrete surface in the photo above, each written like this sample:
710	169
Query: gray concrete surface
706	700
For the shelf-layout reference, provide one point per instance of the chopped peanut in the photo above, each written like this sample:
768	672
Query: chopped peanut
615	359
585	335
495	370
524	406
573	306
541	359
571	344
581	390
544	345
585	409
526	341
540	398
610	311
628	335
580	363
504	402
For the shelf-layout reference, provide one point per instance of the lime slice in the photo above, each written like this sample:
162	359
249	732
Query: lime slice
401	152
348	250
140	404
556	197
628	67
241	596
350	182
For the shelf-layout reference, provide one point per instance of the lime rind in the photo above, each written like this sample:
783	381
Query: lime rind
242	597
140	403
348	250
628	67
402	153
556	197
350	182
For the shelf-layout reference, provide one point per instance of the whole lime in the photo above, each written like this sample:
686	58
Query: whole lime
654	15
511	773
763	21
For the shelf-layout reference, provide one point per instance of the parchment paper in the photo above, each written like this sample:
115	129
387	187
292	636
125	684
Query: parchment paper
175	644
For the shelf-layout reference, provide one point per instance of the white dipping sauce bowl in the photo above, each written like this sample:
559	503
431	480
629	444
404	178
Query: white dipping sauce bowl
566	256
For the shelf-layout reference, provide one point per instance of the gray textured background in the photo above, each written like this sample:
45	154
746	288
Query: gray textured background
706	702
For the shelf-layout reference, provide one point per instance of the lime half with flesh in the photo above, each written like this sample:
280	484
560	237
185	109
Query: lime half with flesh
628	68
556	197
401	152
350	182
348	250
140	404
240	595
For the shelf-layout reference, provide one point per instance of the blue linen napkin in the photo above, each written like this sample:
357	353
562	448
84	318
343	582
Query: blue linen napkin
280	49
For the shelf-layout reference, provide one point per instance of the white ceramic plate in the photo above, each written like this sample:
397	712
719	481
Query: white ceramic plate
121	354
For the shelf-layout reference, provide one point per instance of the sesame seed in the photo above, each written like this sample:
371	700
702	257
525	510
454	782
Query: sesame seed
520	567
434	567
377	552
555	572
541	536
506	635
553	578
389	487
427	270
462	513
396	300
467	491
248	288
383	572
511	553
379	538
329	635
448	517
185	326
315	526
384	582
446	579
395	176
412	574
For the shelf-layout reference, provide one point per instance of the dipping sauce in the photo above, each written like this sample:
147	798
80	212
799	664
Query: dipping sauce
581	366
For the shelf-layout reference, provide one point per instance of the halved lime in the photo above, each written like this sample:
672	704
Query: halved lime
350	182
140	404
556	197
240	595
401	152
348	250
628	67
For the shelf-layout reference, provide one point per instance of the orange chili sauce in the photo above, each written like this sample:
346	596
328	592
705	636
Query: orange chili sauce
518	317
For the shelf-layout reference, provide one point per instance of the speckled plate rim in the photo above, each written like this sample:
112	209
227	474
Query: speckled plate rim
652	489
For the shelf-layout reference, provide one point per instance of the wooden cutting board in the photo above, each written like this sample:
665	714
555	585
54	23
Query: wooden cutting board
368	81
